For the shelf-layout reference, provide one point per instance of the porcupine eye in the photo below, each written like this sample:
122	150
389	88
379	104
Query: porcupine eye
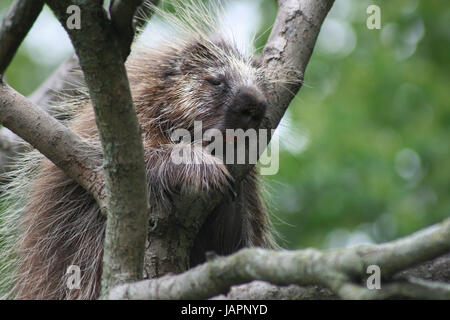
215	80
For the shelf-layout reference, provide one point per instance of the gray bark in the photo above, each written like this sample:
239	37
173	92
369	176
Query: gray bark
343	271
102	48
63	147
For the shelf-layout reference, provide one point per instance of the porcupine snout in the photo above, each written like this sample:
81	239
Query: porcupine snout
247	109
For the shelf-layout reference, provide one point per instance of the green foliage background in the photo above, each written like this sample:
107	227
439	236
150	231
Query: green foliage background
365	151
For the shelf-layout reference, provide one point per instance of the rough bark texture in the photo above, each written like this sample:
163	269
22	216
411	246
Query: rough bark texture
98	48
14	26
51	138
343	271
62	84
122	15
437	269
291	43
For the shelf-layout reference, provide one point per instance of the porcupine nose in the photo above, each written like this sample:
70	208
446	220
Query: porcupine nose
249	108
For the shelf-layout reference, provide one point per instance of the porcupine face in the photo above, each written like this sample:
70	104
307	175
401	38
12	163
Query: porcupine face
227	87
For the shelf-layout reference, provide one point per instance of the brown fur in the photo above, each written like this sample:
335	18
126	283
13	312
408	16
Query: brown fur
171	88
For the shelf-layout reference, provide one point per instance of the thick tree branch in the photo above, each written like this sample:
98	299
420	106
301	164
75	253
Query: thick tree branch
63	83
341	270
409	251
15	26
413	289
261	290
437	269
63	147
290	46
97	46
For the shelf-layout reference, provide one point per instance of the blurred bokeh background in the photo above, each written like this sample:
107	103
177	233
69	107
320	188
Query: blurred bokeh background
365	144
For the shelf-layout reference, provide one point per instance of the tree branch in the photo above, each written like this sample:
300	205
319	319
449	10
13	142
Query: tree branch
13	29
409	251
261	290
437	269
404	289
122	15
53	139
99	53
290	45
15	26
63	83
338	269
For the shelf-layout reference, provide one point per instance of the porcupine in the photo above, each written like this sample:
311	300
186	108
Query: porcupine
199	74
